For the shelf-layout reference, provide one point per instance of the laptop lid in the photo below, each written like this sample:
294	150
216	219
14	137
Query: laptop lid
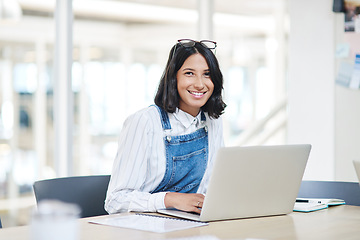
357	168
252	182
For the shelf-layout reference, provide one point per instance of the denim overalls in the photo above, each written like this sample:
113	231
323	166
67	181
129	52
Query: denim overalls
186	158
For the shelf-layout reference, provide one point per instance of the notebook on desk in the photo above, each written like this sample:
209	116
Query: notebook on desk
252	182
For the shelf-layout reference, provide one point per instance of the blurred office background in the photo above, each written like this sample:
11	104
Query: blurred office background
119	50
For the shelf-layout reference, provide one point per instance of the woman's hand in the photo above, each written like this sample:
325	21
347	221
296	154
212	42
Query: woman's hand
189	202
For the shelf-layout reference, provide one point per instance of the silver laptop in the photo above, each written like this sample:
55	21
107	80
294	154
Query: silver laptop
357	168
252	182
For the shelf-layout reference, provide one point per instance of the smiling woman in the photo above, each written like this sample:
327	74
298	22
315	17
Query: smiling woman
166	151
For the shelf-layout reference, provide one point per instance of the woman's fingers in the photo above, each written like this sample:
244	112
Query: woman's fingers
191	202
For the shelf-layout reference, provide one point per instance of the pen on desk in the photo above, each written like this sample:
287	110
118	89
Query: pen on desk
307	201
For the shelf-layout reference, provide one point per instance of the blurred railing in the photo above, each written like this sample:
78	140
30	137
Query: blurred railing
264	129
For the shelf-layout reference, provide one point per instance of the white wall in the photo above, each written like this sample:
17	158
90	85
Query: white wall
347	113
347	132
311	84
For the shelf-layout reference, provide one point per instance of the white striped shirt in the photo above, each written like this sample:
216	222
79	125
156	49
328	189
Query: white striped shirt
140	163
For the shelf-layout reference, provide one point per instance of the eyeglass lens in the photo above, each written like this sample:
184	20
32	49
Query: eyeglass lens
187	42
208	44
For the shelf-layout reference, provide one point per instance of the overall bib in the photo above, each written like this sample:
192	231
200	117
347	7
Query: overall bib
186	158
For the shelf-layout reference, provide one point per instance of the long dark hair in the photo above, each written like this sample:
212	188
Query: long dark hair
167	96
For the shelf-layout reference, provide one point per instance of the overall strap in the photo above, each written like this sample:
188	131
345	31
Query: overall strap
165	122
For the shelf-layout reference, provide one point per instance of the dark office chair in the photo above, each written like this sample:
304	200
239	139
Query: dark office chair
88	192
348	191
0	223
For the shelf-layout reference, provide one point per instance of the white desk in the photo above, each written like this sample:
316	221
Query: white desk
339	222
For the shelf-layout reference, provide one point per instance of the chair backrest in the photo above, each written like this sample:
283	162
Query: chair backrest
348	191
0	223
88	192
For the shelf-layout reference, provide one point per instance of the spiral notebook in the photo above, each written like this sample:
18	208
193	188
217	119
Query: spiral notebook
147	222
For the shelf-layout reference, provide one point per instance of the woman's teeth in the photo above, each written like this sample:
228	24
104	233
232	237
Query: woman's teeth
197	93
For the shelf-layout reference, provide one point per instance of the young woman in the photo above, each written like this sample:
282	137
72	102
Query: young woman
166	151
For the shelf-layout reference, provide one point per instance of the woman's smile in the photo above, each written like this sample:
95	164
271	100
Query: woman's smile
197	94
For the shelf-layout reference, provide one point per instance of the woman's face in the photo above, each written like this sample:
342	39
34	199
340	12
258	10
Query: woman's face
194	84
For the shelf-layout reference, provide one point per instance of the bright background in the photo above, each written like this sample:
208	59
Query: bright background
277	58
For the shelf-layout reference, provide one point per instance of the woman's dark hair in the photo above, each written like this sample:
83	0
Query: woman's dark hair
167	96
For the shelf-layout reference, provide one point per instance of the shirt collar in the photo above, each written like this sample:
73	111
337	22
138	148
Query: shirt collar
186	119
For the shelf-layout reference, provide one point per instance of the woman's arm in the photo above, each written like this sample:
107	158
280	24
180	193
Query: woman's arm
128	188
